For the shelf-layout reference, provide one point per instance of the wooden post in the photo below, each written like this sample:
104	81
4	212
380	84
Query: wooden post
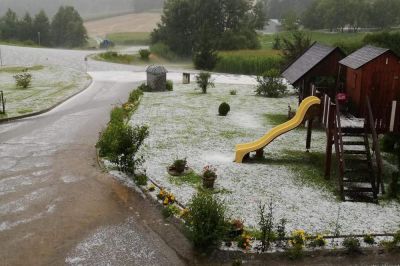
328	155
260	153
329	139
309	134
3	102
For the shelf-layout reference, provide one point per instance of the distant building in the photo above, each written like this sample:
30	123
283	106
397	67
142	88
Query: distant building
273	26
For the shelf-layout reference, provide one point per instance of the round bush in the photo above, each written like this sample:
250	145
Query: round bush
170	85
224	109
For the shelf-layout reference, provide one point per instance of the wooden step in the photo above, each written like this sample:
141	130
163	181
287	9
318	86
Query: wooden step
357	170
344	134
353	130
355	152
360	198
357	180
358	190
354	143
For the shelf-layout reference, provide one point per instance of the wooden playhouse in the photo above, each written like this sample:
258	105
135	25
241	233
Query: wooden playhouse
374	72
367	85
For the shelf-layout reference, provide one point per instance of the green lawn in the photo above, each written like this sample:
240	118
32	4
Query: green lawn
49	86
130	38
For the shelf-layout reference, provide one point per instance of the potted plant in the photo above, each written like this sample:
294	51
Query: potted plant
236	228
178	167
209	176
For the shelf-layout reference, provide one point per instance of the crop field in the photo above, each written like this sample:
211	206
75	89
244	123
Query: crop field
140	22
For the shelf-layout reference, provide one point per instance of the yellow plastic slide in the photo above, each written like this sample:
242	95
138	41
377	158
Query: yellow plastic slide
246	148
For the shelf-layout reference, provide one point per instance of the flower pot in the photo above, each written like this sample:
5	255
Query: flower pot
236	232
208	182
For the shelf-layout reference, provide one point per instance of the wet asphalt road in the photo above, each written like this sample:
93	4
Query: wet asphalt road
56	206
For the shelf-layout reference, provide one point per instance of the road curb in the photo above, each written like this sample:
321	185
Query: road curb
13	119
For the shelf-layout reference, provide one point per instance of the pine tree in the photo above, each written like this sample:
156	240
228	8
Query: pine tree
41	27
25	28
9	26
67	29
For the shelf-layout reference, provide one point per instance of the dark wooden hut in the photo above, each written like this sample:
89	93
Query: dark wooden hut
374	72
316	62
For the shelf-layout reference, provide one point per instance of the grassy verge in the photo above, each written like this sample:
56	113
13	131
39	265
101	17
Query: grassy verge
115	57
17	69
49	86
19	43
130	38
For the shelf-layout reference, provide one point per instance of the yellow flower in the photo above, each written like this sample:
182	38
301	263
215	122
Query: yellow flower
166	201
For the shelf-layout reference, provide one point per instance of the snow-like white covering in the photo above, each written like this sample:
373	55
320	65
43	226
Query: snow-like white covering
184	123
121	244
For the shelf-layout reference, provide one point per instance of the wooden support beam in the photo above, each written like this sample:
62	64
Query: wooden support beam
309	134
328	155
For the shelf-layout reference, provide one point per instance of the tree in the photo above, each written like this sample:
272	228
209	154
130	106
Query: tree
260	14
358	17
9	25
290	21
229	24
294	45
270	84
312	17
25	28
41	25
67	28
176	29
384	13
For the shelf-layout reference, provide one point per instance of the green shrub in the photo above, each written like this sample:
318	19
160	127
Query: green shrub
224	109
233	92
204	81
276	44
116	57
389	141
205	59
385	39
369	239
207	225
396	238
144	87
170	210
349	47
352	244
23	80
179	165
144	54
120	143
270	84
117	115
170	85
135	95
163	51
141	179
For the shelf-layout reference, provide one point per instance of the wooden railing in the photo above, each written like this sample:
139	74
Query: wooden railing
370	125
339	148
